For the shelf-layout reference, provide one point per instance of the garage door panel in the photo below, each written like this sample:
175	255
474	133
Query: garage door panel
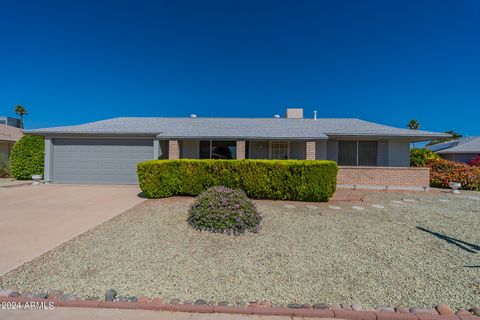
99	160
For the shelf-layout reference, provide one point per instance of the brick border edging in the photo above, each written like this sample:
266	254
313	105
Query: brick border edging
248	310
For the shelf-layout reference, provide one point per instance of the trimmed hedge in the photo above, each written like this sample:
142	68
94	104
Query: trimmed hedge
27	157
301	180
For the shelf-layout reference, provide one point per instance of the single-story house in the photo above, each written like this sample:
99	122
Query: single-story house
459	150
8	136
107	151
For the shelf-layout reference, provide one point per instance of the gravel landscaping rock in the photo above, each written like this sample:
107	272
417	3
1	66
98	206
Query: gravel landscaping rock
200	301
402	309
6	292
372	257
223	303
110	295
385	309
444	309
175	301
122	299
41	295
346	306
475	311
321	306
294	305
357	307
132	299
14	294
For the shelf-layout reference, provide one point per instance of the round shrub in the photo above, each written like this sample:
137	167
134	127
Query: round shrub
27	157
221	209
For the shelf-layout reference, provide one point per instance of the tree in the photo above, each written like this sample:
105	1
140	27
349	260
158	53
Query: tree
413	125
21	111
455	136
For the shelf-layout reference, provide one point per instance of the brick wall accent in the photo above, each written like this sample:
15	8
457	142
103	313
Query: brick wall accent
173	149
384	177
240	149
310	150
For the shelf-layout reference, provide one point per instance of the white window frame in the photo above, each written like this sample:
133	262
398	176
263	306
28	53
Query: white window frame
270	149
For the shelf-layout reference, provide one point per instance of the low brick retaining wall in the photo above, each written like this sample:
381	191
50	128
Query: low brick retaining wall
384	178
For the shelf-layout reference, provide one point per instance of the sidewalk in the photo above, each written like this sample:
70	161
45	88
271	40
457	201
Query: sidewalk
110	314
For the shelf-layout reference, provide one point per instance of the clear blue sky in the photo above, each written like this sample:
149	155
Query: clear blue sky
71	62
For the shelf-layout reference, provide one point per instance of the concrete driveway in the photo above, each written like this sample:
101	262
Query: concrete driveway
36	219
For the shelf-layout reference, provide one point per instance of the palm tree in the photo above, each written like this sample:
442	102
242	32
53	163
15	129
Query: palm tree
455	136
413	125
21	111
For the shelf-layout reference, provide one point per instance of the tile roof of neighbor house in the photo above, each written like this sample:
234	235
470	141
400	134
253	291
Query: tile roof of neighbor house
10	134
464	145
247	128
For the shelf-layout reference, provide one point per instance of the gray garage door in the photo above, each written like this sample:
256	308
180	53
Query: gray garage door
99	161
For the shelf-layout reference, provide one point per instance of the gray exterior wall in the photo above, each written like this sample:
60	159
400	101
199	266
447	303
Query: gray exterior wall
398	153
458	157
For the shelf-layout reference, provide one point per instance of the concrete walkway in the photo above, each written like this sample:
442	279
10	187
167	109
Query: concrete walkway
111	314
36	219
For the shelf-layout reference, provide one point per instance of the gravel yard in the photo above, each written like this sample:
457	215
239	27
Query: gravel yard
396	253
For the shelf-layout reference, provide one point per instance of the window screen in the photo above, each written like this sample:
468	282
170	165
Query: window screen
367	153
347	153
279	150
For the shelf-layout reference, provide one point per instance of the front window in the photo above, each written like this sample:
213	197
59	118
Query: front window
357	153
279	150
211	149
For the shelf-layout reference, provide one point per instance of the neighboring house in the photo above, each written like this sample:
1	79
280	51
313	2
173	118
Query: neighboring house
107	151
8	136
460	150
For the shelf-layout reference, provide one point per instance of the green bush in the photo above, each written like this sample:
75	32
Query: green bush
442	172
420	157
221	209
27	157
302	180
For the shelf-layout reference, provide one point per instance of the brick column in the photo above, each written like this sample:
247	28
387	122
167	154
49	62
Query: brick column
173	149
310	150
241	149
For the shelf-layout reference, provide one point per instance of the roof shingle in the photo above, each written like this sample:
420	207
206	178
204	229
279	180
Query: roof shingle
246	128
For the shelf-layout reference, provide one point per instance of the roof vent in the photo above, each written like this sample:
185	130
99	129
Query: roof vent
193	116
276	116
315	115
